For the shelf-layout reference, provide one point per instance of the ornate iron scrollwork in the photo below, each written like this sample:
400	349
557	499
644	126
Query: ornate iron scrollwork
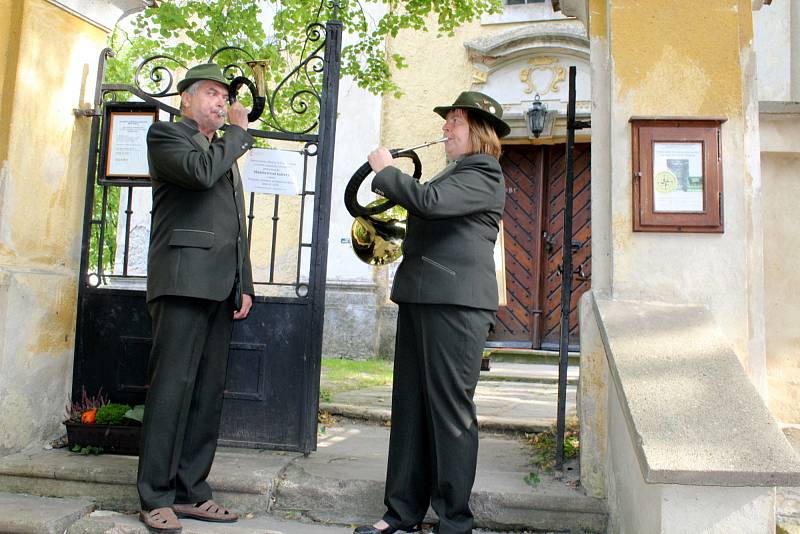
292	105
307	97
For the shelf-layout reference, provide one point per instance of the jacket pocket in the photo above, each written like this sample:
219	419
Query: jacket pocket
191	238
438	265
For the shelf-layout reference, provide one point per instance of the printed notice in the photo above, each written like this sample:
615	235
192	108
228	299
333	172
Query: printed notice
127	144
272	171
678	177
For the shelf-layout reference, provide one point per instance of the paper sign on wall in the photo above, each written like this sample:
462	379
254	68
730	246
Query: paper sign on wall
272	171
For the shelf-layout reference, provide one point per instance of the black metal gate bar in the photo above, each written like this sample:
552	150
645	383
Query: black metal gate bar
319	253
566	271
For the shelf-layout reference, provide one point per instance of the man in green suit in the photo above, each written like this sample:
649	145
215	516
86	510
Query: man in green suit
198	281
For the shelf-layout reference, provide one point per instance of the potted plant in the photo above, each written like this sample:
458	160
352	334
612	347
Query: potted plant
96	425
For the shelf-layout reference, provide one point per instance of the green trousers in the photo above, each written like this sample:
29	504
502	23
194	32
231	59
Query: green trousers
433	448
187	369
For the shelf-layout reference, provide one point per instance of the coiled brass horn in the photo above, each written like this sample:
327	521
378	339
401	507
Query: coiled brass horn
378	229
258	89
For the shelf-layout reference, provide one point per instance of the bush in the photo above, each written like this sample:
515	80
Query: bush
111	414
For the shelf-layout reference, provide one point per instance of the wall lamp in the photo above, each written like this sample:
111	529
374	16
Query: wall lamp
536	116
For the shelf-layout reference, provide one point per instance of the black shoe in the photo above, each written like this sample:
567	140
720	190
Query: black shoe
369	529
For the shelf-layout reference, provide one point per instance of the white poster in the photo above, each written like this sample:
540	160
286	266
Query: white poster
127	144
678	177
273	171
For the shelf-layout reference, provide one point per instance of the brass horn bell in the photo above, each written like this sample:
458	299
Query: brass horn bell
379	228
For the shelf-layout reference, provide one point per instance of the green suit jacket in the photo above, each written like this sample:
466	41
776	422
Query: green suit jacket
453	221
198	237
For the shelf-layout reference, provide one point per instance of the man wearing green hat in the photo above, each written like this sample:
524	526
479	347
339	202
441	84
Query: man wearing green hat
199	281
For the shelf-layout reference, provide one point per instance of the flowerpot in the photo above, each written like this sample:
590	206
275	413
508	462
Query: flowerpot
114	439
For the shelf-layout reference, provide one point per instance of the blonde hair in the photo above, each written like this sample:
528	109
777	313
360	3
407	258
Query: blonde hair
482	135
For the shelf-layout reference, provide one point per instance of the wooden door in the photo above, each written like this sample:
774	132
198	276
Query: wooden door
517	321
553	241
532	223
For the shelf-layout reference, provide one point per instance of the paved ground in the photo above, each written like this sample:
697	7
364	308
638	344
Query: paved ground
339	485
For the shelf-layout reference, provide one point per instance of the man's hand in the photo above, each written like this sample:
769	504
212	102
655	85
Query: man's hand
237	114
379	159
247	303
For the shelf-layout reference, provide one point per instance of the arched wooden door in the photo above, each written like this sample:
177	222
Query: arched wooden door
532	241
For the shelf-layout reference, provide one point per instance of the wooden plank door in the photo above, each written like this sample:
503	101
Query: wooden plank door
518	322
553	241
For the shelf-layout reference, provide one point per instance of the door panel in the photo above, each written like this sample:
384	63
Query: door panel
581	234
517	321
533	222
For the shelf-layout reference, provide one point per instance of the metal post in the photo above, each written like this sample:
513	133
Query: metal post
566	272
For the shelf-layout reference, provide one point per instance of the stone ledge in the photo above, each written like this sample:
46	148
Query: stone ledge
769	107
693	414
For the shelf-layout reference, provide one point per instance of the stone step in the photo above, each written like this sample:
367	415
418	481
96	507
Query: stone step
32	514
506	406
528	372
107	522
341	483
500	354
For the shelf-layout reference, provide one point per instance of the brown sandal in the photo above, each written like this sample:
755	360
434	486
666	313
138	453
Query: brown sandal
205	511
161	520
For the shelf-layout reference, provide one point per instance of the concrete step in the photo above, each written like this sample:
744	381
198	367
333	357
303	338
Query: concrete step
341	483
502	406
539	373
107	522
31	514
509	355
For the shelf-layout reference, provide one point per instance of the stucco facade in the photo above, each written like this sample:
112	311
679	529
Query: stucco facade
48	58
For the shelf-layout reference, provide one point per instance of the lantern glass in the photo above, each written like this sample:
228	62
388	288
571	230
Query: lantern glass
536	117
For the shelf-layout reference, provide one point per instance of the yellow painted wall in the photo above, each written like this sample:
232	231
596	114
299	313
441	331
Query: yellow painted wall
10	12
678	57
438	70
47	70
650	59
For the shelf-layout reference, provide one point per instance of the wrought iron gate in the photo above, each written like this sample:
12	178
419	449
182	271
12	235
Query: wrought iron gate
272	389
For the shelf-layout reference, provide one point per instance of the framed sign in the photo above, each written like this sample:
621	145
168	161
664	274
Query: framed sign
123	147
677	175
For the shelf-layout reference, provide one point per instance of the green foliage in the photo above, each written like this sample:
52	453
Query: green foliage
87	450
136	413
532	479
111	414
340	375
325	395
110	240
190	30
544	444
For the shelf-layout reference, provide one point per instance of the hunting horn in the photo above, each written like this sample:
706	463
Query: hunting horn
377	234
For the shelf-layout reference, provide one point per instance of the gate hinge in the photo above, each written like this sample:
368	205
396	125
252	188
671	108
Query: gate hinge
86	112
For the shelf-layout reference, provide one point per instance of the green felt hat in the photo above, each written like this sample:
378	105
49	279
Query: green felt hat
204	71
483	106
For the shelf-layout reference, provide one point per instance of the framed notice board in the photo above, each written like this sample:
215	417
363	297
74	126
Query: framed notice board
677	175
123	145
